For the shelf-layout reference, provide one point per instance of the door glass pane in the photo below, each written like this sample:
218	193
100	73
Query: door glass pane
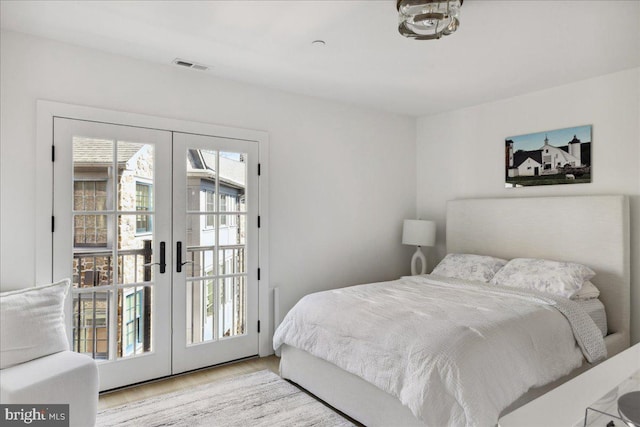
134	326
135	250
233	229
201	180
232	306
91	324
200	310
90	231
90	194
200	261
135	176
231	260
92	174
92	269
201	244
233	178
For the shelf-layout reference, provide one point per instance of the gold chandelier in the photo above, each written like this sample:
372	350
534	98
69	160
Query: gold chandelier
428	19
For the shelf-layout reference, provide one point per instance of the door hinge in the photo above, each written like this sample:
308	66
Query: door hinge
258	221
53	153
258	169
258	274
258	326
53	223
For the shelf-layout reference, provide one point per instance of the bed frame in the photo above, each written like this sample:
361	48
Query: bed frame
591	230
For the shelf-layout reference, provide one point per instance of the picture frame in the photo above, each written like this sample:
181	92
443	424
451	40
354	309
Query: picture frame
560	156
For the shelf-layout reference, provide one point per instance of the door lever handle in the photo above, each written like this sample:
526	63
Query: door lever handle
179	262
163	262
163	258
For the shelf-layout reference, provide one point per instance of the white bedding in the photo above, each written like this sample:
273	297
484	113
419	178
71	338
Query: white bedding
595	310
454	352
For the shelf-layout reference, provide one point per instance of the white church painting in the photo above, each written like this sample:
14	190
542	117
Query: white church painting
561	156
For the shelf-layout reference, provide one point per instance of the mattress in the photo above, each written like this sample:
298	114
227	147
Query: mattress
595	309
411	338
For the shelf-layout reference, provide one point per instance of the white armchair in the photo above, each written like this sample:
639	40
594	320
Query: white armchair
36	366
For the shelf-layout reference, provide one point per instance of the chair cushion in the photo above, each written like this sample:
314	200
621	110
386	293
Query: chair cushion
61	378
32	323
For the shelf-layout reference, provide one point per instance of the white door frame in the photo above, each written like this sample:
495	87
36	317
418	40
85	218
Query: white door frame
47	110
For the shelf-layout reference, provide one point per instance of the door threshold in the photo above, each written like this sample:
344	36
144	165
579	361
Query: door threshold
166	377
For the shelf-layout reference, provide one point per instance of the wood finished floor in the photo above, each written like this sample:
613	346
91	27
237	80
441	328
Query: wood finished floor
171	384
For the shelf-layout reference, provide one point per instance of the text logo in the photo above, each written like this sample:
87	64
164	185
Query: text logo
34	415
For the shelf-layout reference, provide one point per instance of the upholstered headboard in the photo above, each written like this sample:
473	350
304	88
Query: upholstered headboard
591	230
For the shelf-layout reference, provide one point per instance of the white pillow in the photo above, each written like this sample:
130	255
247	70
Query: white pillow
560	278
587	291
32	323
469	267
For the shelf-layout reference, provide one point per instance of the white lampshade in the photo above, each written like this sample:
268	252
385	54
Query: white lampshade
418	232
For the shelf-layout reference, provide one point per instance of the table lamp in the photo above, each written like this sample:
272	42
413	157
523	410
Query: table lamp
419	233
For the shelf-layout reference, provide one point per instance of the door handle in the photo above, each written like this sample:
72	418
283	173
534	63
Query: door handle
163	260
179	262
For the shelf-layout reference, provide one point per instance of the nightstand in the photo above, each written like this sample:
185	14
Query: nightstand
566	405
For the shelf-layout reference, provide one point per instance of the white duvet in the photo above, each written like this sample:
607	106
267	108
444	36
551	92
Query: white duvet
456	353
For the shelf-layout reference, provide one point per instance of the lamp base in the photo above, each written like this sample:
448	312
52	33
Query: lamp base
418	255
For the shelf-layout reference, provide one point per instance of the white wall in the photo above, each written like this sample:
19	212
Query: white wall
342	178
461	153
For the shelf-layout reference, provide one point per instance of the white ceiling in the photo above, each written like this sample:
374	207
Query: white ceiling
502	49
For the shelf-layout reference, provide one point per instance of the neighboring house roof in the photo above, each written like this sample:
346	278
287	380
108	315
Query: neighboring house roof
519	157
232	172
91	151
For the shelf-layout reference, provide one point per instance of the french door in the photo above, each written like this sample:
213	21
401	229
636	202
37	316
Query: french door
215	228
158	231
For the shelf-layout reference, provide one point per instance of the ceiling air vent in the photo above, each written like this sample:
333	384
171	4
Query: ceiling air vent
189	64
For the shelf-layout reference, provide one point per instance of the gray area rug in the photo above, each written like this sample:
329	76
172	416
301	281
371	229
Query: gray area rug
258	399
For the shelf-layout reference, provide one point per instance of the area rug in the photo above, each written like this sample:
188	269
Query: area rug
258	399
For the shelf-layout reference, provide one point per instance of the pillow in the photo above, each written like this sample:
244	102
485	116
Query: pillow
469	267
32	323
587	291
559	278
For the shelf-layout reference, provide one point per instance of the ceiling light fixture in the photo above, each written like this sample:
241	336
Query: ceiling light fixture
428	19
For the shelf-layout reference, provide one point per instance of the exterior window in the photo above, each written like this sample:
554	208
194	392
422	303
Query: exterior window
90	230
210	207
229	203
90	195
223	208
143	203
134	332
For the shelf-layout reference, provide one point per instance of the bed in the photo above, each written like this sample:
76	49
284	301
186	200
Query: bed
591	230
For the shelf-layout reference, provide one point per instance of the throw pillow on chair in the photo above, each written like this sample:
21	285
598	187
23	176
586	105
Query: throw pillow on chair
36	366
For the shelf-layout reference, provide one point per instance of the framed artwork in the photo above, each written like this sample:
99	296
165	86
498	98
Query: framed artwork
561	156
